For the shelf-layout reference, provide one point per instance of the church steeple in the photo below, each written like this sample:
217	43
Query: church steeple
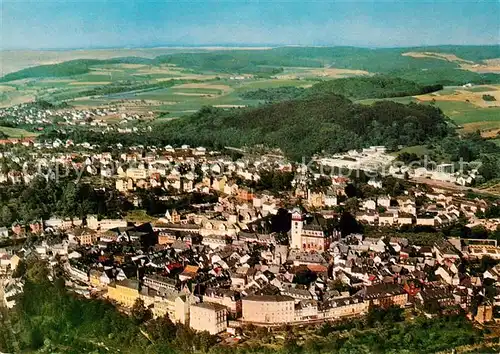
296	230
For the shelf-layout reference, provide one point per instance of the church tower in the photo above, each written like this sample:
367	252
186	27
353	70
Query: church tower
296	230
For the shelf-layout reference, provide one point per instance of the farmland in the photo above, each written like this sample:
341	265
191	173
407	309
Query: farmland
468	109
178	81
465	106
193	91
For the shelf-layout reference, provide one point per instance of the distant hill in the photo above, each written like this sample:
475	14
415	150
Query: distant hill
68	68
422	69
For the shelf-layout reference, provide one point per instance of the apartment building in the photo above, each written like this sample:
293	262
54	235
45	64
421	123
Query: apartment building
272	309
210	317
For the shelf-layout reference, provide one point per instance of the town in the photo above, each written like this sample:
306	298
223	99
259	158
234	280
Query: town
250	177
219	240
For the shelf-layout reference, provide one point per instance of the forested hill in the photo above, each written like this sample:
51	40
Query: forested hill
356	88
373	87
68	68
306	126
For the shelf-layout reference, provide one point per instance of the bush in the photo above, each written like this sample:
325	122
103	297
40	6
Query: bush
489	98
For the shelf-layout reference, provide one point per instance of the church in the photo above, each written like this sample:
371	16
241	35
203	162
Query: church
310	232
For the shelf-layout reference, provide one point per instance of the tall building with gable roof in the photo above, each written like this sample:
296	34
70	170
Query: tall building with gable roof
310	232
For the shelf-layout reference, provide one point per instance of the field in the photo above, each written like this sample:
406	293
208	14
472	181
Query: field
473	95
419	150
468	109
403	100
488	65
16	132
195	89
465	106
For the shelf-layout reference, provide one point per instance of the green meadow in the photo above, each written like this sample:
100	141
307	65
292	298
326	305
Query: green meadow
465	112
16	132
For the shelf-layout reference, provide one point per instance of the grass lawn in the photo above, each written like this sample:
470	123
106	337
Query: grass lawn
139	216
16	132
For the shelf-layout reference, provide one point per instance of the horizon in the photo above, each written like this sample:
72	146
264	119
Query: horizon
230	46
100	24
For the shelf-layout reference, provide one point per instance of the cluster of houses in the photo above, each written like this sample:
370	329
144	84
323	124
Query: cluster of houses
376	158
204	271
33	114
263	257
437	209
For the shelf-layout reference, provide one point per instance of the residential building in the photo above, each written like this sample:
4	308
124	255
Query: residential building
124	292
268	309
210	317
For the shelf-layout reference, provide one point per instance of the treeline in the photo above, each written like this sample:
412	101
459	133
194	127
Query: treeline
270	62
258	62
467	52
446	76
67	68
372	87
120	87
355	88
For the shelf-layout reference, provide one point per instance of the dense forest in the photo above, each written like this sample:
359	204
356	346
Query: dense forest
373	87
355	88
275	94
300	127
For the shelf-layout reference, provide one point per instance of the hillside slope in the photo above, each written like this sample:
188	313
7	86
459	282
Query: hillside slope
306	126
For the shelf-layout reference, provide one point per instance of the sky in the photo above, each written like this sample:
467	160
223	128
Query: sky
59	24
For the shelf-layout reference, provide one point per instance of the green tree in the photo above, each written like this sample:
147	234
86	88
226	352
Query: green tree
6	216
139	312
352	205
161	329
